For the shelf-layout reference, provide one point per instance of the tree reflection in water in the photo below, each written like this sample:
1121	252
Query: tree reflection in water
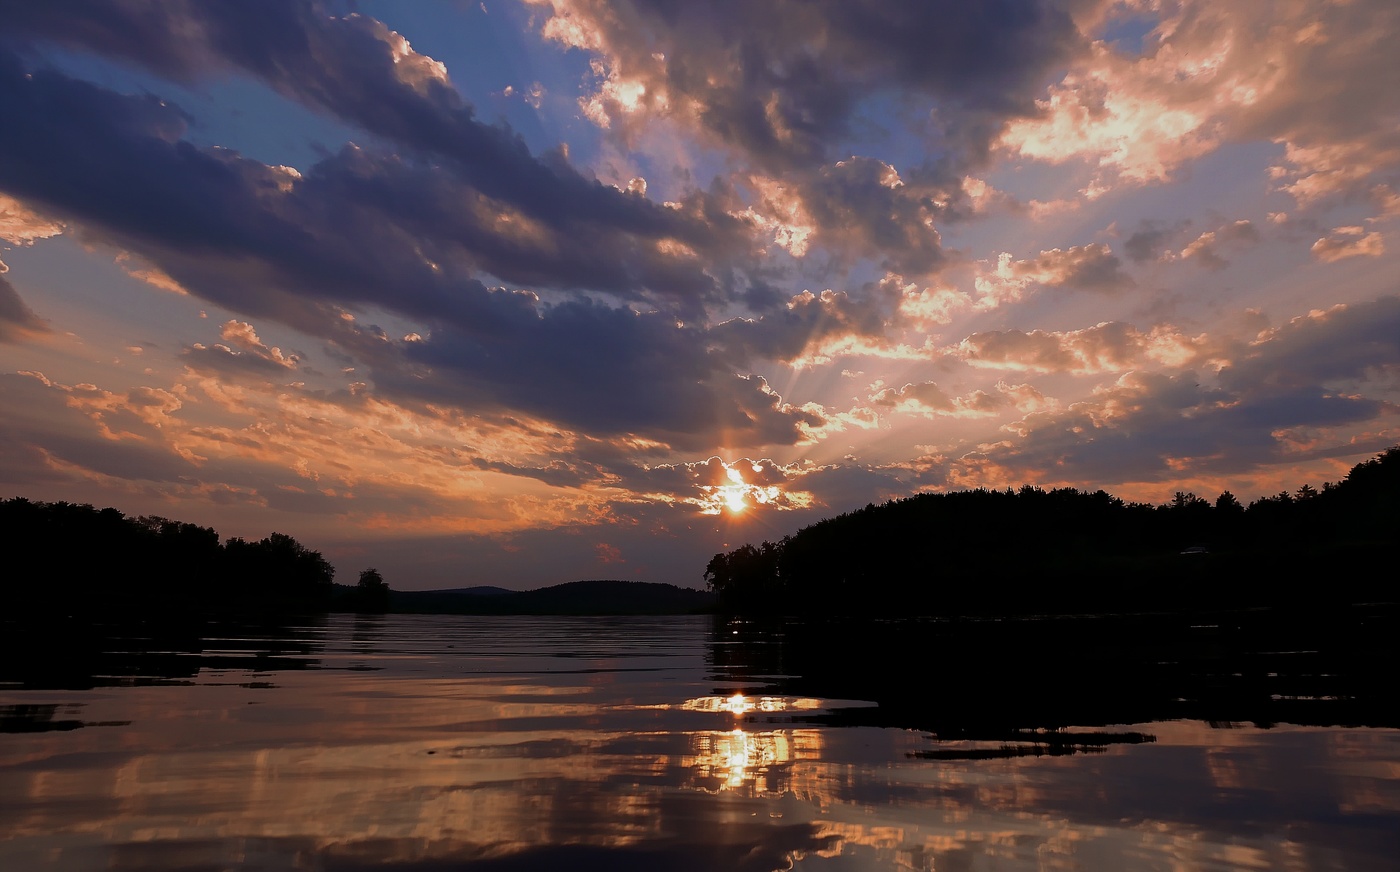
507	745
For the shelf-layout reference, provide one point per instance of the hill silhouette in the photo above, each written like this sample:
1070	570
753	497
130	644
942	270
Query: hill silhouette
1033	551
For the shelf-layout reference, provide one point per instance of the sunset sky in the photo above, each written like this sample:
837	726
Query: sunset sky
520	292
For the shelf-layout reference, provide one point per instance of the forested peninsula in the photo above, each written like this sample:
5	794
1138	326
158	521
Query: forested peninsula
1066	551
80	560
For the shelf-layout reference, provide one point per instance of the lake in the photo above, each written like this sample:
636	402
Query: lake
421	743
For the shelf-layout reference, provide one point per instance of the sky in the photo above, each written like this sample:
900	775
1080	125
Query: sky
520	292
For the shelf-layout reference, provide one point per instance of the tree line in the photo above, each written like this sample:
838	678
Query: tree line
77	559
1070	551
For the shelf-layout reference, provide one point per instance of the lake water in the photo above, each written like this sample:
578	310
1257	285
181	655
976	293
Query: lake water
531	743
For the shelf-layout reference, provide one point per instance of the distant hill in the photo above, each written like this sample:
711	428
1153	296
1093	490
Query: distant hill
600	597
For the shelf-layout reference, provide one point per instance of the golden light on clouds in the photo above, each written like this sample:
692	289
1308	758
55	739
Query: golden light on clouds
739	494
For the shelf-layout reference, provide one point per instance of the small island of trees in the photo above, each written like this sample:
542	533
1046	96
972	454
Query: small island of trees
1034	551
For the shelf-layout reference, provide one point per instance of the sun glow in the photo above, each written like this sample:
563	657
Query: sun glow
739	495
733	494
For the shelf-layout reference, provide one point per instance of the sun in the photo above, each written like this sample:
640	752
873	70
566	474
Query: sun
733	496
740	496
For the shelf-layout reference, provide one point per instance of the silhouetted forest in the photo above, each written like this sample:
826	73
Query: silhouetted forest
1033	551
76	559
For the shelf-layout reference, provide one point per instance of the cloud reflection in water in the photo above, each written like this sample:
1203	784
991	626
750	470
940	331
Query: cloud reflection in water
496	754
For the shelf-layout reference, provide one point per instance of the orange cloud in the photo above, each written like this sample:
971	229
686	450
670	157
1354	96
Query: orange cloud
19	225
1344	242
1111	346
1307	75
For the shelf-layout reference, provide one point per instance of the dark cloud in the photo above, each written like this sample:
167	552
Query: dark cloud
1156	240
358	70
1152	239
359	227
1091	267
784	81
16	319
556	473
225	362
605	371
852	483
363	229
1340	345
789	86
250	357
809	321
1208	248
1291	381
862	208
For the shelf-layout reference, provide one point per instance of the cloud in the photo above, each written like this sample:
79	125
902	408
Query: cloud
1156	427
62	432
1157	241
1206	249
21	226
790	90
1316	77
353	67
1105	112
487	205
927	398
1339	346
714	486
556	473
861	206
244	354
814	327
1091	267
1351	241
1294	386
17	320
1152	239
383	468
299	248
602	370
1111	346
782	82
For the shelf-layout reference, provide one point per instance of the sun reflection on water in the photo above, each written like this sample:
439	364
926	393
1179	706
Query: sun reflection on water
752	763
739	704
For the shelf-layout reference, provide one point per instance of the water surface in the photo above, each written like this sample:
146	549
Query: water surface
523	743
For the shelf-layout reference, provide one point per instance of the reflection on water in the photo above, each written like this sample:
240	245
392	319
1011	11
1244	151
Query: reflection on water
431	743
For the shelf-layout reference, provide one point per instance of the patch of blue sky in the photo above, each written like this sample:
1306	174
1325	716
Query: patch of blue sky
1128	31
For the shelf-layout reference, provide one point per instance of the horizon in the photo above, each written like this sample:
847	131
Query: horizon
523	293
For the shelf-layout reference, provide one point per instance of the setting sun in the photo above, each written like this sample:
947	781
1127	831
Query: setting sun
733	497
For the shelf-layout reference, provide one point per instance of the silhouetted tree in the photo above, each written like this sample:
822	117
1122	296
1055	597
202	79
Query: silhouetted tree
372	592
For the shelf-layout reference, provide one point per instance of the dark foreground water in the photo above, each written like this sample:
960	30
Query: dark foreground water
436	743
